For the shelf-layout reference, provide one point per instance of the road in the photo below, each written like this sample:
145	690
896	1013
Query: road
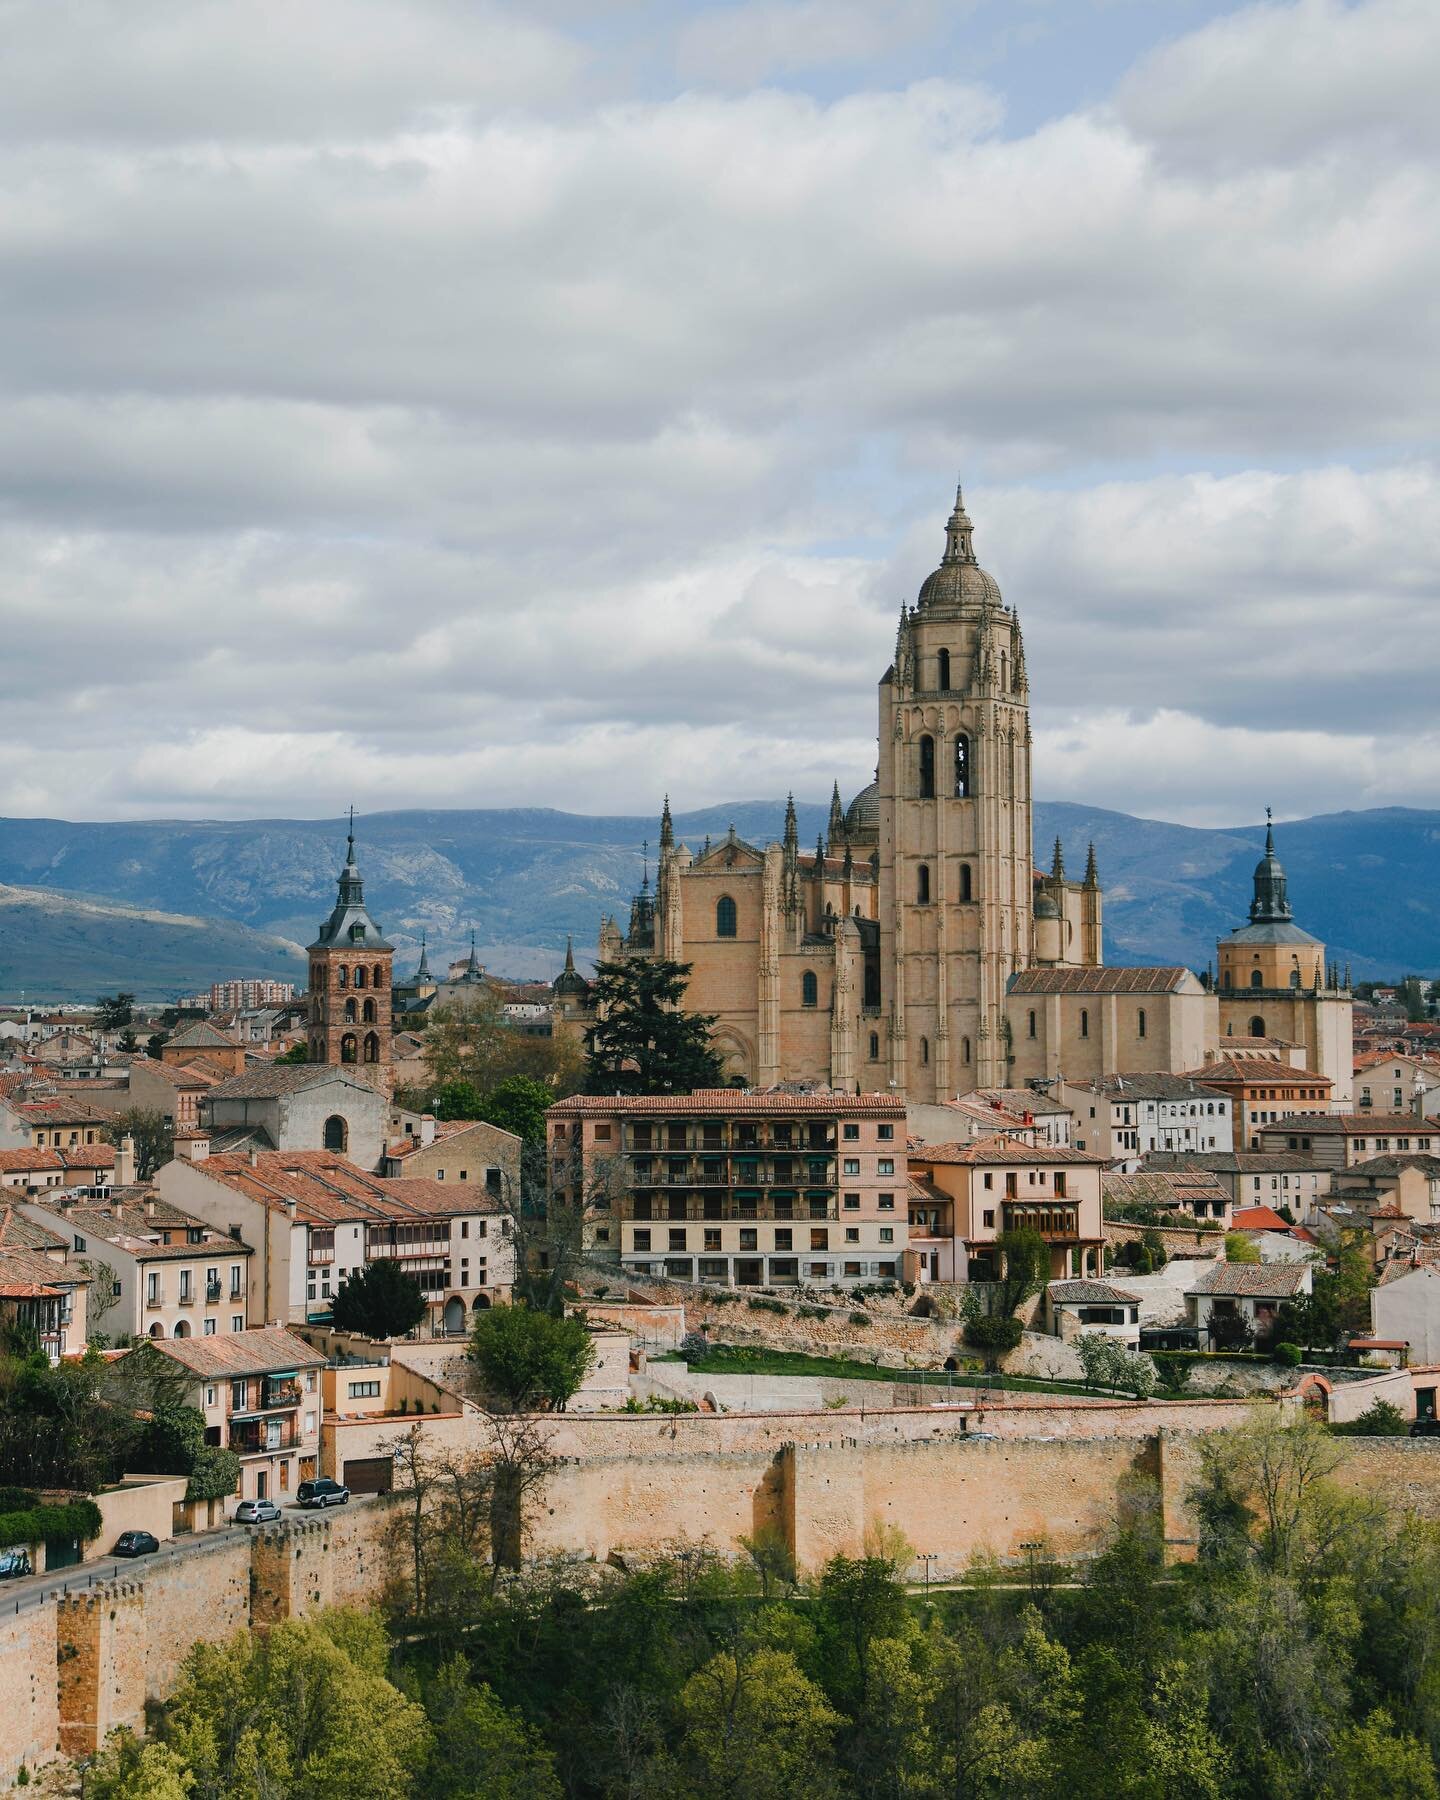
31	1590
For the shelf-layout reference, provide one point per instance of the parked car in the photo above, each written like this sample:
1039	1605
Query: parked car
1427	1427
323	1492
14	1564
256	1512
136	1543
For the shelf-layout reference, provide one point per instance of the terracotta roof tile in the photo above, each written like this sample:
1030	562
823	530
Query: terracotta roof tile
1273	1281
263	1350
1003	1150
729	1102
1151	980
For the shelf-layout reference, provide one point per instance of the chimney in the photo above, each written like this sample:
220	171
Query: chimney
125	1162
149	1206
427	1129
254	1159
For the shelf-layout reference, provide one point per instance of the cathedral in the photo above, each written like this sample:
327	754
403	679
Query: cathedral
917	949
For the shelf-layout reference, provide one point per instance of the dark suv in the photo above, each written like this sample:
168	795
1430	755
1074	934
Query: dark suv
1426	1427
323	1492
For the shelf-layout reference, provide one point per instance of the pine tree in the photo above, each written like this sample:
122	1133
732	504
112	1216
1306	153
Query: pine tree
641	1042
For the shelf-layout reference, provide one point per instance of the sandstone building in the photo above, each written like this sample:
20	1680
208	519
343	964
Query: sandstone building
350	1001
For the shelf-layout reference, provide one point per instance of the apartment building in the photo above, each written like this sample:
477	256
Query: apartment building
965	1195
260	1394
743	1188
1262	1089
1345	1140
313	1218
1256	1177
40	1288
168	1273
1124	1117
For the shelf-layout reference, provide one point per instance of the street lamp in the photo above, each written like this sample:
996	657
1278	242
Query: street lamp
927	1557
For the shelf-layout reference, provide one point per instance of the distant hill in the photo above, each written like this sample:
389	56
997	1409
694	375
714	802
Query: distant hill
57	946
215	896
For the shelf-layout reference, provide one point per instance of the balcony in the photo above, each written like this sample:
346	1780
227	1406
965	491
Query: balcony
212	1293
187	1297
250	1437
1056	1224
277	1394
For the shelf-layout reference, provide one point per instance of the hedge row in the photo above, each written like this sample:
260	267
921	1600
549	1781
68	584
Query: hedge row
33	1524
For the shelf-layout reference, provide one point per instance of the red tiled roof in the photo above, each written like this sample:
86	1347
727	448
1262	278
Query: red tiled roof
1151	980
1259	1218
1251	1069
327	1189
1002	1150
20	1162
264	1350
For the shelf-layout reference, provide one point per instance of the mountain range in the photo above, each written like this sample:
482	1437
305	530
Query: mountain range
165	906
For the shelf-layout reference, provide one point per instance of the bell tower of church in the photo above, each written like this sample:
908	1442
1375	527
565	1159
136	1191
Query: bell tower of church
351	1001
954	803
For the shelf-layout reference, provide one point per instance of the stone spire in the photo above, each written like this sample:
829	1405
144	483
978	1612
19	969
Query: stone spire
820	854
1092	870
667	828
1271	905
1057	864
792	826
422	971
350	923
959	533
473	971
837	818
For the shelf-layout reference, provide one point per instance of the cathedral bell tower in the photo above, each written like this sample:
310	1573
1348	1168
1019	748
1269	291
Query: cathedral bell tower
350	984
956	881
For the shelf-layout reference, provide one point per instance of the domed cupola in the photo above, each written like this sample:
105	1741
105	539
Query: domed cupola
1271	905
862	817
959	581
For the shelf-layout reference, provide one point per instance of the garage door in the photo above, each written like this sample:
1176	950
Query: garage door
370	1475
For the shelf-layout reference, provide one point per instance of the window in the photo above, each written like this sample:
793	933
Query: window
784	1238
1256	979
942	671
725	917
1084	1023
237	1322
964	1049
852	1165
852	1132
342	976
886	1202
852	1203
350	1014
234	1281
337	1134
1257	1026
360	975
874	1046
152	1288
364	1390
677	1240
1140	1022
887	1234
372	1047
885	1166
924	1050
348	1052
642	1240
809	989
209	1328
1030	1023
962	767
965	893
819	1240
988	1216
368	1012
852	1234
922	885
927	768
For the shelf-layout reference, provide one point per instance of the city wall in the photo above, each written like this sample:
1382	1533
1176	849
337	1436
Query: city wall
74	1668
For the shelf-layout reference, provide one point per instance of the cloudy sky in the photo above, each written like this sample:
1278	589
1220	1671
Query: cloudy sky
420	402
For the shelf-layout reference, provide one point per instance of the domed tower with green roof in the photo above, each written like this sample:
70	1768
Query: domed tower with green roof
351	997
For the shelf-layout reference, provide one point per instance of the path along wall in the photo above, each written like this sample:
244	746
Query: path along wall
72	1669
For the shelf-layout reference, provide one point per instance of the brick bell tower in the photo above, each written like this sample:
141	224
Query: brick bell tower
350	985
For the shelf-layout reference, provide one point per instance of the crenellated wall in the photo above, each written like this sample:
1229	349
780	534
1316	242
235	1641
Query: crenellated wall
73	1668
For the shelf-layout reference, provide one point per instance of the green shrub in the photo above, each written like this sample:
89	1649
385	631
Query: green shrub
758	1303
860	1318
1287	1355
813	1312
994	1333
67	1519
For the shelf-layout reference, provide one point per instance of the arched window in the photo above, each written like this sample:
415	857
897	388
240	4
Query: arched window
157	1330
342	976
368	1014
372	1047
922	885
809	989
962	767
182	1329
874	1046
359	974
1257	980
1257	1026
724	916
1140	1022
965	881
1225	978
924	1050
347	1047
377	975
927	768
965	1050
349	1012
943	675
1294	978
1030	1023
1084	1023
337	1134
322	977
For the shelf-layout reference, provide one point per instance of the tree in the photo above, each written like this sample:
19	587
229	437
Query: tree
1107	1363
128	1768
551	1212
303	1711
859	1600
1373	1761
378	1300
458	1098
1239	1249
152	1137
994	1334
518	1104
473	1041
530	1360
757	1728
1026	1258
1281	1467
101	1298
642	1042
297	1053
128	1043
114	1011
482	1750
